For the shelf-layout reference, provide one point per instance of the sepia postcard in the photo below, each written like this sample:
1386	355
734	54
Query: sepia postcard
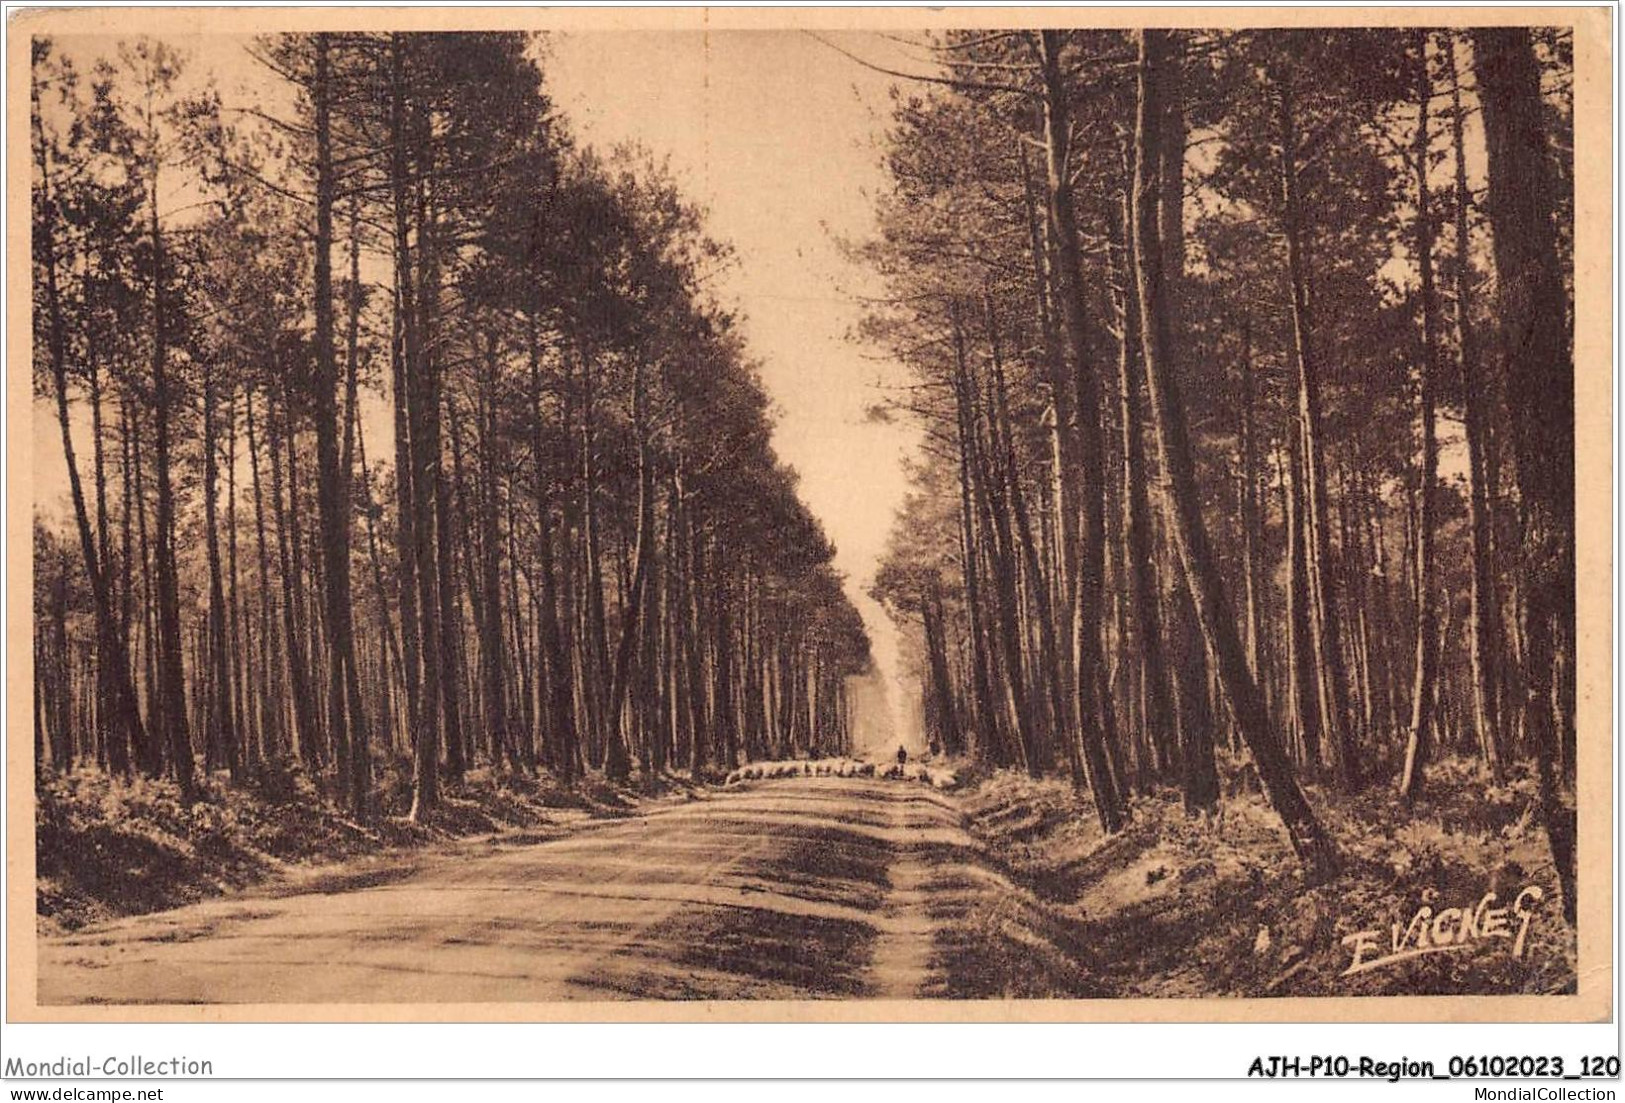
810	514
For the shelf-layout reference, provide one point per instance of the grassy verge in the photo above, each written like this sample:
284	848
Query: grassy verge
1174	906
106	848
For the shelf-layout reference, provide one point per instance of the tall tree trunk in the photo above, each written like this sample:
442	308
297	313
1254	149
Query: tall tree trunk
111	736
171	667
223	735
1006	709
454	548
243	691
347	728
1304	687
1485	635
560	688
1094	711
1325	624
361	756
156	746
987	719
389	643
436	596
726	710
1157	691
652	707
61	675
523	638
146	754
1539	370
616	761
1006	504
493	659
1065	465
693	637
411	535
1249	512
677	637
112	655
941	682
1418	744
596	668
1198	712
273	708
1313	846
290	540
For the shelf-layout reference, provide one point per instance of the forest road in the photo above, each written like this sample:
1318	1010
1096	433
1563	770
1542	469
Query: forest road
812	887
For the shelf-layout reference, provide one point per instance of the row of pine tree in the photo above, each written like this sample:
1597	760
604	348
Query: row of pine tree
1244	364
415	440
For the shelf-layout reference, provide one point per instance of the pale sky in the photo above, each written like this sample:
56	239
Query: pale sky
775	134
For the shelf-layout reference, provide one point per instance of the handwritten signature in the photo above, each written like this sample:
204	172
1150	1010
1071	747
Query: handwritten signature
1449	929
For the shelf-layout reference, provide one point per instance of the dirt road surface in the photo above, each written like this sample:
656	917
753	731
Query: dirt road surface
795	888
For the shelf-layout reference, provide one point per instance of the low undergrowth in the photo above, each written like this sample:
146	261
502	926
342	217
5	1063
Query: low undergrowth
108	847
1217	905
